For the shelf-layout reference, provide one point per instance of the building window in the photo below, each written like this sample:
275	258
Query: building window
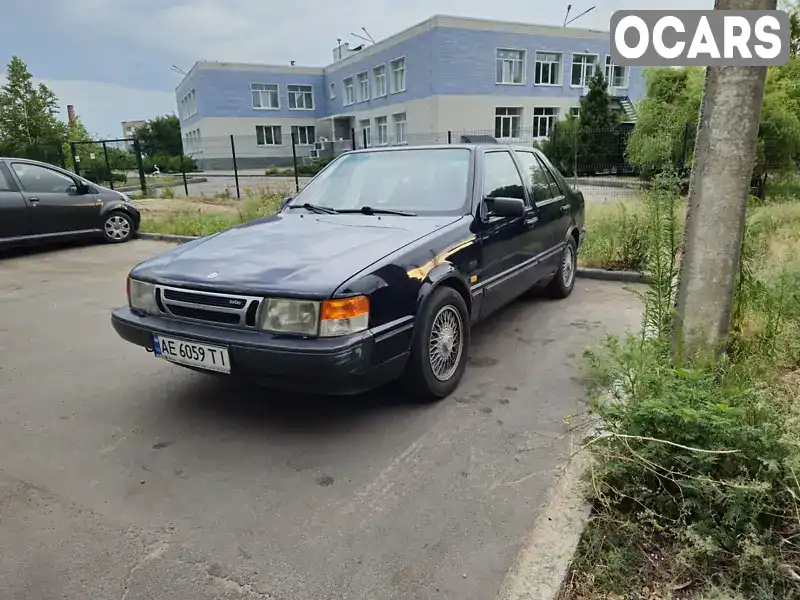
301	97
548	68
187	106
332	91
349	95
268	135
507	122
583	66
544	119
192	142
379	75
363	125
615	75
363	86
400	128
303	134
575	111
510	66
265	95
398	67
382	128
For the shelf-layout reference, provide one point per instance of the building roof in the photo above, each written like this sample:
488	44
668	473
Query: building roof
432	22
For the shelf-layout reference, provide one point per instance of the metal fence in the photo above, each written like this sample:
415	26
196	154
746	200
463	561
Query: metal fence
276	161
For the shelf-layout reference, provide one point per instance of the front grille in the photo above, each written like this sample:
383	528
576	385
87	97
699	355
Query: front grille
199	314
205	299
219	309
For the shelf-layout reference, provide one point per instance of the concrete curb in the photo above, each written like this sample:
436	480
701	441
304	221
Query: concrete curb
540	569
166	237
160	185
586	273
612	275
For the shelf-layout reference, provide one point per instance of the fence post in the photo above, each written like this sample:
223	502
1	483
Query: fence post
108	167
235	168
140	165
575	154
353	137
449	137
183	173
684	147
294	161
74	152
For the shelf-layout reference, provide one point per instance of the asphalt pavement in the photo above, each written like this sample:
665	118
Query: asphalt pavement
122	476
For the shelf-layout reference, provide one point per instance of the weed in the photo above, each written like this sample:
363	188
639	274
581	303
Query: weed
695	484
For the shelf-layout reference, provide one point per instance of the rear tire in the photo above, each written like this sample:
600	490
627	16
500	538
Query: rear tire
440	347
118	227
564	279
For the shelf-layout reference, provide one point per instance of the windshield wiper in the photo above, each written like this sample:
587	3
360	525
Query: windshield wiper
323	210
368	210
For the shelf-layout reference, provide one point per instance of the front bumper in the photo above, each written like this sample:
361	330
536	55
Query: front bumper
346	365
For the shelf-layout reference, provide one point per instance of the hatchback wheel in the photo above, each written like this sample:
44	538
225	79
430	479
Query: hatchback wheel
118	227
564	280
440	347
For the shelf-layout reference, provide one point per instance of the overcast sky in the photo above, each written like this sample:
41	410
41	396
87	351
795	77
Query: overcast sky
112	58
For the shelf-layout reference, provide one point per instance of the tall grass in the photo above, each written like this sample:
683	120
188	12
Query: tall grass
696	478
200	222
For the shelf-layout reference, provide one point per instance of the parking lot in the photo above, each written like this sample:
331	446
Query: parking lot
122	476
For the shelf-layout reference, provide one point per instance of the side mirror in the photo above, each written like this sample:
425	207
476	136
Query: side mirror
78	189
286	201
506	207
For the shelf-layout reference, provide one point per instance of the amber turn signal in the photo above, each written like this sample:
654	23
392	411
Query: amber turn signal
344	308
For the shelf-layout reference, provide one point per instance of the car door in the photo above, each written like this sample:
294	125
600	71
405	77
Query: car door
509	246
56	205
548	202
559	193
13	210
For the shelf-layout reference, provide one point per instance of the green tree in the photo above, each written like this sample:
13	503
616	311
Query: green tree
29	123
599	141
666	116
161	136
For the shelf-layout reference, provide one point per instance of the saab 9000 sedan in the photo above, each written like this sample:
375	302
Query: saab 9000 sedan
375	271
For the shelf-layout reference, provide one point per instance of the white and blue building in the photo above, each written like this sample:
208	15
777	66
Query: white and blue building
446	74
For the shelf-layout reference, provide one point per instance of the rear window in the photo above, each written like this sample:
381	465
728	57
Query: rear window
429	181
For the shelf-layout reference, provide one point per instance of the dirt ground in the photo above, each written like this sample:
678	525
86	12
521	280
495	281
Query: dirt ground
151	207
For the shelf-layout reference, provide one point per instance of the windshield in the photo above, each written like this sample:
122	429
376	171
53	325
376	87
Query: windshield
431	181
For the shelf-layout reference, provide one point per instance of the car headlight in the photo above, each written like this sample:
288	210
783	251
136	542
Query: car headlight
142	296
330	318
290	316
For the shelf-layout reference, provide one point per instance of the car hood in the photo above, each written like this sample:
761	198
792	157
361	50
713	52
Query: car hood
294	254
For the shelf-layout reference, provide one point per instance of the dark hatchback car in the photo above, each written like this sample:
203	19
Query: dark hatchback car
376	270
40	202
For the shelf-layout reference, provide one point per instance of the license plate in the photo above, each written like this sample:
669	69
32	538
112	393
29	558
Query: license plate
213	358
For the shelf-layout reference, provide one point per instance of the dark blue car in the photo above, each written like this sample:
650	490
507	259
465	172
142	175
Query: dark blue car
375	271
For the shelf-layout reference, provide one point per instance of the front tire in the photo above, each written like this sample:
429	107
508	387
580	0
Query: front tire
564	280
440	347
117	227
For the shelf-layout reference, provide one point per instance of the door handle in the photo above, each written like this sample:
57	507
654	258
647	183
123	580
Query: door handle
33	200
565	208
531	221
